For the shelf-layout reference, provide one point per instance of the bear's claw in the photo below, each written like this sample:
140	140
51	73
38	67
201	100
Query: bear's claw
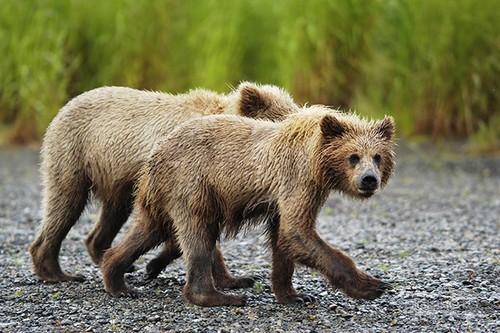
304	299
124	292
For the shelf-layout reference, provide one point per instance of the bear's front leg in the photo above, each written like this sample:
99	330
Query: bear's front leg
300	242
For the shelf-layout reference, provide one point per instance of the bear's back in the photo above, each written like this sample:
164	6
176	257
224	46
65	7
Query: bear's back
110	131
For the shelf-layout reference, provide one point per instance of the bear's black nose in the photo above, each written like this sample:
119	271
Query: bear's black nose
369	183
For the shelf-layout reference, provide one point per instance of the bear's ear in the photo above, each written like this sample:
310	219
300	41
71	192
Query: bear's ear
332	127
386	128
253	100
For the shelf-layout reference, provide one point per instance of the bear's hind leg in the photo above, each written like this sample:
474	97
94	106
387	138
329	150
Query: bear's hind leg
281	277
282	272
197	244
169	253
223	279
116	260
63	206
112	215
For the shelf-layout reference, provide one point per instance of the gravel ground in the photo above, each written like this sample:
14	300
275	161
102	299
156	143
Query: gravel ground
433	233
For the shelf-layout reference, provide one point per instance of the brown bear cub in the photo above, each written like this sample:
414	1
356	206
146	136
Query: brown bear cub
216	174
97	144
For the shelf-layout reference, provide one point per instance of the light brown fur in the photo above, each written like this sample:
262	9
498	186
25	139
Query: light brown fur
216	174
97	144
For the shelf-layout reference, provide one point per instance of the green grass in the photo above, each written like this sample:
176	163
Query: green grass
433	65
19	292
436	66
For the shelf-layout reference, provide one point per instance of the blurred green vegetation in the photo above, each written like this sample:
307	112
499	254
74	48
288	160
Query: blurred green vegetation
433	65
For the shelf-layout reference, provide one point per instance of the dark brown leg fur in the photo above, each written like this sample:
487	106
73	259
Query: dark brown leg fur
200	289
282	272
306	247
112	216
281	279
169	253
222	278
63	207
118	259
198	246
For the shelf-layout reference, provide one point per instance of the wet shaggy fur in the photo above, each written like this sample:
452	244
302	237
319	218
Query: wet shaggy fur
96	145
216	174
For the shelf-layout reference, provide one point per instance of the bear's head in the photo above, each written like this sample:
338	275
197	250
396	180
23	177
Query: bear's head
357	156
264	102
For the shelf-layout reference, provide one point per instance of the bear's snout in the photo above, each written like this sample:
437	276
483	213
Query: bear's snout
369	183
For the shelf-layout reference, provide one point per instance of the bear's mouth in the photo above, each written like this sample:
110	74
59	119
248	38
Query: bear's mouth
365	193
368	185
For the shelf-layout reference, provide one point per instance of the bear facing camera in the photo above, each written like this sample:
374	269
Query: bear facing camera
213	175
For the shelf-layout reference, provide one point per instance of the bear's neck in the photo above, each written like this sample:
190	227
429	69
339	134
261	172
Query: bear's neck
298	145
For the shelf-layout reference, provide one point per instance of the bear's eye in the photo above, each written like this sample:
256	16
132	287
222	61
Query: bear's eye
377	158
354	159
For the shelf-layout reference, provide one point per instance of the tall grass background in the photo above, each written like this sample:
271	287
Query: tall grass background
433	65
